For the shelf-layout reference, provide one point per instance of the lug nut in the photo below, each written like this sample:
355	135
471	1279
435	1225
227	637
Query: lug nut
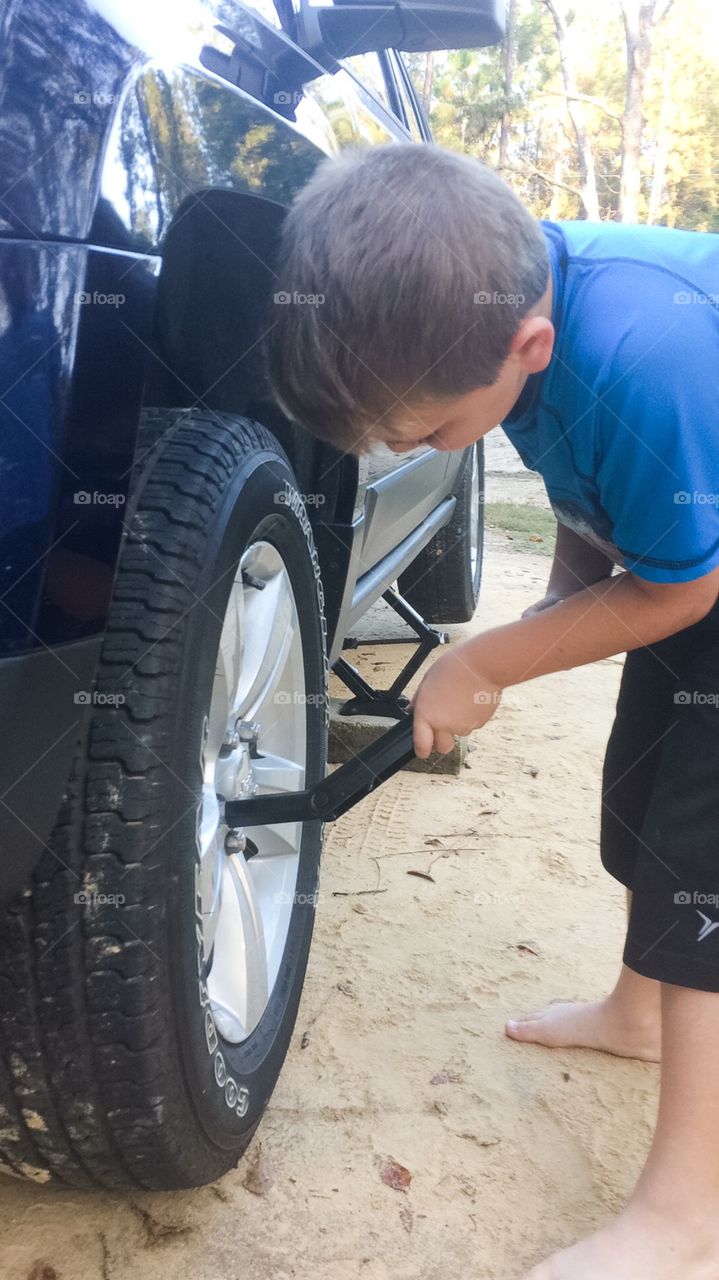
235	841
247	730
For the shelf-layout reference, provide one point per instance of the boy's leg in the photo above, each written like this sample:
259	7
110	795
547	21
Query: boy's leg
628	1021
670	1229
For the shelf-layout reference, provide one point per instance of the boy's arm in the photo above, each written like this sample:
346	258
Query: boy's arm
462	689
576	564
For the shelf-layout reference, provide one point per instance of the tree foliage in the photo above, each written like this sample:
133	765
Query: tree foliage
595	111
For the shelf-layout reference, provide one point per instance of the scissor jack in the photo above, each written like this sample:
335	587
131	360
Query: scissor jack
390	702
341	790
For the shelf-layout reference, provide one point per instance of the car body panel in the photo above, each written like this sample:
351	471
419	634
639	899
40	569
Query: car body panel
124	124
70	393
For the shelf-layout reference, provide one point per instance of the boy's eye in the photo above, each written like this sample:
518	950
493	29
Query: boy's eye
404	446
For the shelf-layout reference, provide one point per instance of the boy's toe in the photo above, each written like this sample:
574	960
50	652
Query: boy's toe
528	1028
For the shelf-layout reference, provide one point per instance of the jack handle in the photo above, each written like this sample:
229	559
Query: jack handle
334	795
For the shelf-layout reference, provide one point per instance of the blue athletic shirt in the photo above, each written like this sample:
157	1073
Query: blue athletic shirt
623	425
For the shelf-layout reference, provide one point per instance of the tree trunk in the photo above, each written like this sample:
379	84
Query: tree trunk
637	28
587	177
510	62
640	19
660	151
557	176
427	86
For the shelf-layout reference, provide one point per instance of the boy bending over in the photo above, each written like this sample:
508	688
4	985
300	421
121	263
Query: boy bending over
449	309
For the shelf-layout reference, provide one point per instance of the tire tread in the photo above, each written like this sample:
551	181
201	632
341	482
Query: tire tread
85	1008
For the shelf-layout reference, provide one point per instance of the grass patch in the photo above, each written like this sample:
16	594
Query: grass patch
529	528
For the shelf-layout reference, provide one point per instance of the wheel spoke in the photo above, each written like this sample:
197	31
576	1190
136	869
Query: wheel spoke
212	852
276	839
240	953
247	902
269	633
274	773
229	660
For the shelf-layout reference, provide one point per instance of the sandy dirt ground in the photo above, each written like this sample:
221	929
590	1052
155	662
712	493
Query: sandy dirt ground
399	1057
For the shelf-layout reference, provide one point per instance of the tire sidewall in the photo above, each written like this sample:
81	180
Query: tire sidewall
231	1084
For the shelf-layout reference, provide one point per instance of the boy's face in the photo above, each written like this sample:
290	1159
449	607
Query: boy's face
454	424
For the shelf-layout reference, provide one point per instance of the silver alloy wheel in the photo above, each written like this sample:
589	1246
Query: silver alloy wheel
255	742
474	515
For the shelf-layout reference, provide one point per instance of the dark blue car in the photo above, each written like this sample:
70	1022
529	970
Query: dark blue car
179	563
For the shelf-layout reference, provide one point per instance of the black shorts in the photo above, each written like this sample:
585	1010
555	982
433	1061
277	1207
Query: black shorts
660	806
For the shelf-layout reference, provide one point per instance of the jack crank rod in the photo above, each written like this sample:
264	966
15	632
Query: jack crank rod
335	794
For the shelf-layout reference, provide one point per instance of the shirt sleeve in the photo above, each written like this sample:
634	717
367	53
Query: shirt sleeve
658	454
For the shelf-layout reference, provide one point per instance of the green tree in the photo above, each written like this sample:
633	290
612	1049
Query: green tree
609	113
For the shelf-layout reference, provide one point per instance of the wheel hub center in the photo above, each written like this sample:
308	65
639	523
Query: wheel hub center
235	775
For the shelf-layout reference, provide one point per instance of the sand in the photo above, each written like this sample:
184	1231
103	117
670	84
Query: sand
408	1139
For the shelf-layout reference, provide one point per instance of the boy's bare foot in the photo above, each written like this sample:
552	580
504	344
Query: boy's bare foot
640	1245
588	1026
628	1023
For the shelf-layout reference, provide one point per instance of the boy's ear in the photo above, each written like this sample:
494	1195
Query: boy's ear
533	343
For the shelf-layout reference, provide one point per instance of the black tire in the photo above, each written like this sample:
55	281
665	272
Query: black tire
442	584
112	1072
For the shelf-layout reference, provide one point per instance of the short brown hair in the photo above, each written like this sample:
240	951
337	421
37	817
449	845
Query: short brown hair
403	273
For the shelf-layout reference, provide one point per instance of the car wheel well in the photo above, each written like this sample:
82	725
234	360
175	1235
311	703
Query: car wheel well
213	298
